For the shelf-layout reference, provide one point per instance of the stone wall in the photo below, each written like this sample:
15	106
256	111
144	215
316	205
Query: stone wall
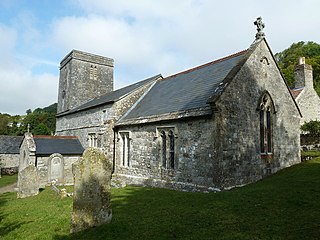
83	123
239	158
194	155
9	163
309	104
83	76
55	167
98	120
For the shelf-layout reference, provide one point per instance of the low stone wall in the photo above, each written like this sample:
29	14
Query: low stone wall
9	163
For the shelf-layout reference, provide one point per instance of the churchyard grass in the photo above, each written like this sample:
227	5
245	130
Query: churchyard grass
8	179
310	153
283	206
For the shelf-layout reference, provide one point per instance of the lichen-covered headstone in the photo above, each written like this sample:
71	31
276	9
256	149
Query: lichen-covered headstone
92	191
28	182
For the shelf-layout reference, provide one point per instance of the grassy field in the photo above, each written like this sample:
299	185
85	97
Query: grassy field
7	180
283	206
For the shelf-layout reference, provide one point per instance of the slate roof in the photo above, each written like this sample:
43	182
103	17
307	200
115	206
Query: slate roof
112	96
10	144
65	145
185	91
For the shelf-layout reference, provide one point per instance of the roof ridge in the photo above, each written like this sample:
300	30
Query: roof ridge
207	64
54	137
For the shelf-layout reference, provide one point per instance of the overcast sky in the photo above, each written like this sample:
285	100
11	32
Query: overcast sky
144	37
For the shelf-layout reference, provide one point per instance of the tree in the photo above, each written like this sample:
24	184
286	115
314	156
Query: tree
312	128
4	122
41	129
42	121
288	59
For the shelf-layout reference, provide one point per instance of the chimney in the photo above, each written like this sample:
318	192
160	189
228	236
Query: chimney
303	74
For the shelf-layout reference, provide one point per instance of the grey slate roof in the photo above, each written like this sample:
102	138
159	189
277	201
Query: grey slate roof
184	91
10	144
47	145
112	96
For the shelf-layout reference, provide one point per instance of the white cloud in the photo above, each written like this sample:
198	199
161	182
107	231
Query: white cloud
19	88
145	37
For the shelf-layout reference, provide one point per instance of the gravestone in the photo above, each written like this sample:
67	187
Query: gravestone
28	182
92	191
56	168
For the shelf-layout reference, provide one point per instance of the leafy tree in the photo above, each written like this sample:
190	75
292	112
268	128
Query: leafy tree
42	121
288	59
312	128
4	121
41	129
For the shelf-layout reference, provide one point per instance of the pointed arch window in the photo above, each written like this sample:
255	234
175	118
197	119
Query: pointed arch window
266	109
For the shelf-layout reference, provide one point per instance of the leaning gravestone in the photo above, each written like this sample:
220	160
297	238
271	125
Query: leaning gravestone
92	191
28	182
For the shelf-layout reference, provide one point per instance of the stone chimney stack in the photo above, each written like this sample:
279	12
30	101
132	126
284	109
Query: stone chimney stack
303	74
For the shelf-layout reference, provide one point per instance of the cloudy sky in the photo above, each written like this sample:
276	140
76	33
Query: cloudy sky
144	37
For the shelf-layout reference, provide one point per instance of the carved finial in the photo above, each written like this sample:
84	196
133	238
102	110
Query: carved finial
260	26
28	128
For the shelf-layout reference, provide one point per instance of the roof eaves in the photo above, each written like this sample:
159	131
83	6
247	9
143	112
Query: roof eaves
196	112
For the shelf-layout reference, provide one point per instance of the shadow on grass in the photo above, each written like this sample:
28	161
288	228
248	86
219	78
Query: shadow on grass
282	206
7	228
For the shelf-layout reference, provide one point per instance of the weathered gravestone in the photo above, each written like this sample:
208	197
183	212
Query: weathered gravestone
92	191
28	182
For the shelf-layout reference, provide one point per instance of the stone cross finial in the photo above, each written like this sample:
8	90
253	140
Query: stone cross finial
260	26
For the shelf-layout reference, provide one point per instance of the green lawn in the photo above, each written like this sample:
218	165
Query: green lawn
8	179
283	206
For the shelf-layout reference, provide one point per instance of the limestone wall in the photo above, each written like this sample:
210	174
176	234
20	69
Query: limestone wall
83	123
309	104
194	155
83	76
238	122
56	167
98	120
9	163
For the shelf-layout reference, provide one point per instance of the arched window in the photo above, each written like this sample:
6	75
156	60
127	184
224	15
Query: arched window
266	109
171	156
164	148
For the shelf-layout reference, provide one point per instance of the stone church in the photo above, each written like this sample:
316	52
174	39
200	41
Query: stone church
223	124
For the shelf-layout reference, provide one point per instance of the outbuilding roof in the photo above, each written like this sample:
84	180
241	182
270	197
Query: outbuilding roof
185	91
65	145
10	144
111	96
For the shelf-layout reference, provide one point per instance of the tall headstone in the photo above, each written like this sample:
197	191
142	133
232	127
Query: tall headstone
28	182
92	191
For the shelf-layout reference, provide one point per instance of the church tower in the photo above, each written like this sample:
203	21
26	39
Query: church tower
83	76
